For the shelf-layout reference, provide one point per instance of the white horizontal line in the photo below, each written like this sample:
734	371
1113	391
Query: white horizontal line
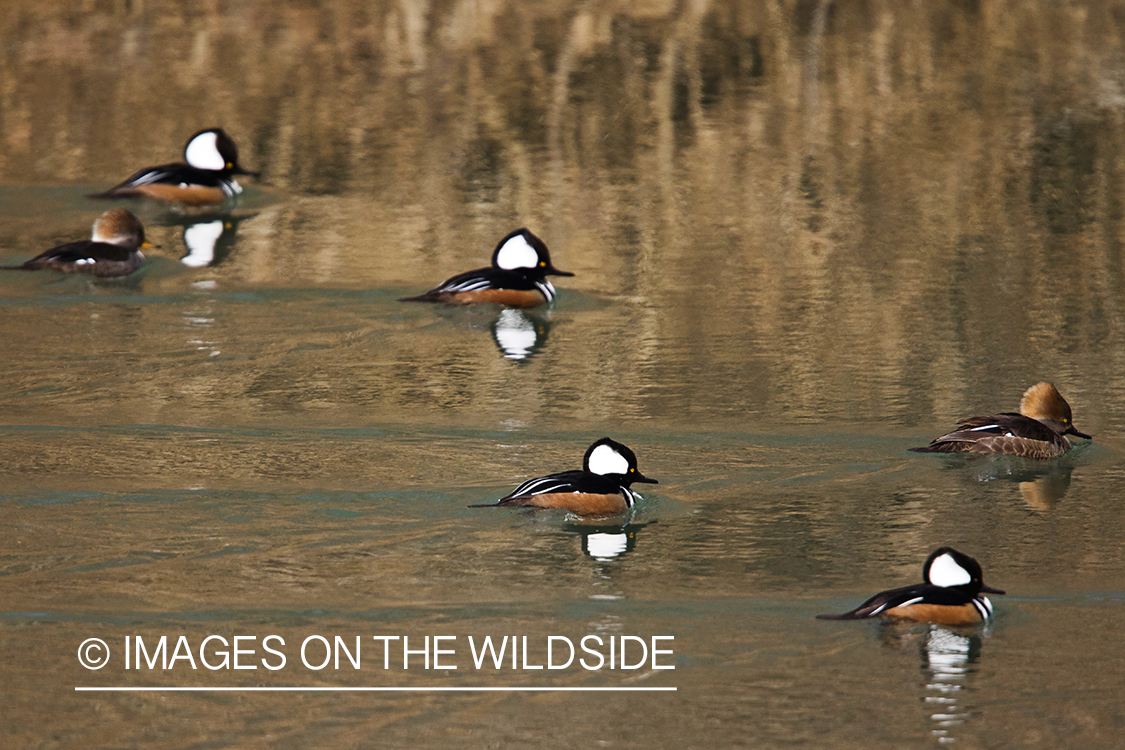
374	689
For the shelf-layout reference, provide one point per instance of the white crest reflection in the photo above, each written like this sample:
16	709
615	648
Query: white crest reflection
602	546
200	240
518	334
605	542
949	657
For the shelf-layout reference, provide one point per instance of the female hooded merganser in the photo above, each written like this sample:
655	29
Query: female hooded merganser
951	595
1038	431
206	179
113	250
601	488
517	278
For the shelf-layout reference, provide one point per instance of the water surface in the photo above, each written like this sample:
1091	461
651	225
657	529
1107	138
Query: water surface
805	237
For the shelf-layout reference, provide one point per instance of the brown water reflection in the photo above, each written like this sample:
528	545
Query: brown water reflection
806	236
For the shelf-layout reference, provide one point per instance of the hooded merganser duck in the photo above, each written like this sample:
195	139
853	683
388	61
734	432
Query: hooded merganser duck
112	250
600	488
1038	431
205	180
517	278
951	595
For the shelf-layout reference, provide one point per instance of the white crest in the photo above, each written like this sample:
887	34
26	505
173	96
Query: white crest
517	253
203	152
946	572
605	460
200	240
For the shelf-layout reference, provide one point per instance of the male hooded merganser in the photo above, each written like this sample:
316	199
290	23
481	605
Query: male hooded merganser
1038	431
517	278
113	250
951	595
206	179
601	488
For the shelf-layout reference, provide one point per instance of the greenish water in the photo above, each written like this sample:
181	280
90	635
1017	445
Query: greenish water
804	241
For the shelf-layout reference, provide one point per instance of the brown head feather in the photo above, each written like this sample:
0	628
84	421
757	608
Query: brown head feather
1043	401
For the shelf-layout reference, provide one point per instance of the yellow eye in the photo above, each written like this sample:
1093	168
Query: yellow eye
631	469
229	165
542	263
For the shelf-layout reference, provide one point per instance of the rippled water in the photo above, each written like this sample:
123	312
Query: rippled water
805	239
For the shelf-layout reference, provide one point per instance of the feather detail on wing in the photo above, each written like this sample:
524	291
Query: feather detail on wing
488	285
174	175
485	278
465	284
1010	433
579	491
83	251
149	177
555	484
882	603
543	486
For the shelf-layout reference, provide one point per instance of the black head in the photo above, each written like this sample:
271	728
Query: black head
523	251
948	568
213	149
612	459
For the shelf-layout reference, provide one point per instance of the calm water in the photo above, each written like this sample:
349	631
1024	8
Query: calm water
805	237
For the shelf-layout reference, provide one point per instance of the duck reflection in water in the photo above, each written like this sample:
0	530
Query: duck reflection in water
200	240
209	240
604	543
949	658
1041	484
519	335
